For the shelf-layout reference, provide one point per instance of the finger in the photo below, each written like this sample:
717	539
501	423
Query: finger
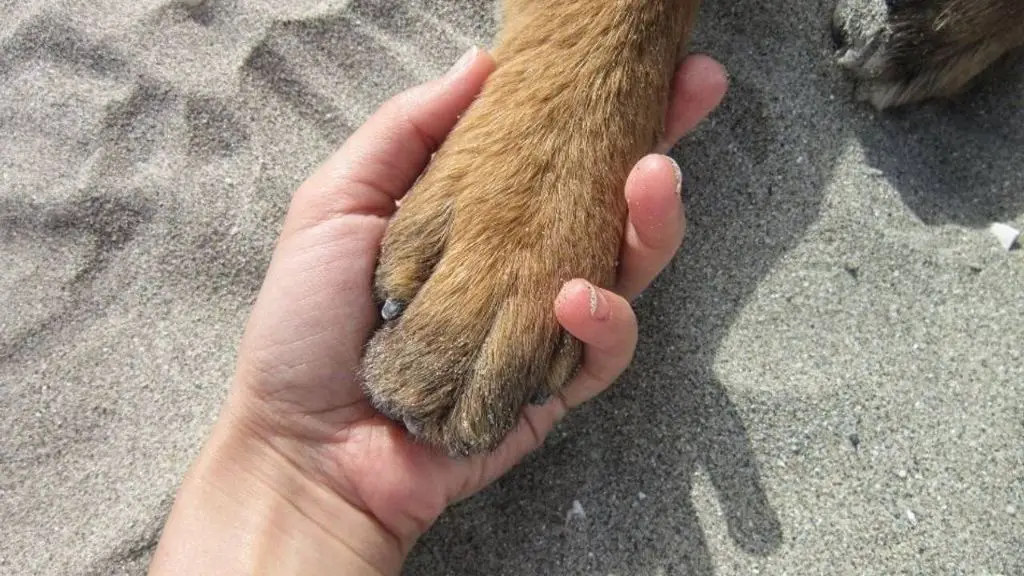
655	225
383	158
697	89
605	323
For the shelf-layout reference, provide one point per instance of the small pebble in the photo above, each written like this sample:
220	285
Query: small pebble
576	512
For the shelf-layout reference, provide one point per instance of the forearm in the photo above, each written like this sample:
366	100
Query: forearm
244	509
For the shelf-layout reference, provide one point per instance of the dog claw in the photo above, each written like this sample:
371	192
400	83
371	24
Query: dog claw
412	425
392	309
540	398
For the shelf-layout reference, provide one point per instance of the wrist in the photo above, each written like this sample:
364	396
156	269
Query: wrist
245	508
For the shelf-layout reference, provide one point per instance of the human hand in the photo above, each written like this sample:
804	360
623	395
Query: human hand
297	424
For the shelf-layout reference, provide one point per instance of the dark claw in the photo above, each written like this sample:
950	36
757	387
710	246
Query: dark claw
392	309
839	39
540	398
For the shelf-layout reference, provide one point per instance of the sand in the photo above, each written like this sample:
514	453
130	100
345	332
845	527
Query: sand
831	373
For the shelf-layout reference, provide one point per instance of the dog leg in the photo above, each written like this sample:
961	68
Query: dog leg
525	194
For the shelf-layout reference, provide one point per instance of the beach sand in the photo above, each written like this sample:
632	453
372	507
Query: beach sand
830	378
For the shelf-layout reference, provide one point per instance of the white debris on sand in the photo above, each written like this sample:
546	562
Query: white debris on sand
1007	235
911	517
576	512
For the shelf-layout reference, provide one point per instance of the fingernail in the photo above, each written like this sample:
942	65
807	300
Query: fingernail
598	304
679	175
463	62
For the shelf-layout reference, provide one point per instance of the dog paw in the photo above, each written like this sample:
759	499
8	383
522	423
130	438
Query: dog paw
467	278
468	282
907	51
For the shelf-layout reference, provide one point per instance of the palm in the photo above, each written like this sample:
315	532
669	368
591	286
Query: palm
300	366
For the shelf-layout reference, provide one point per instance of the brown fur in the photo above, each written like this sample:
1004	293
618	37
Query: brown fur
527	193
